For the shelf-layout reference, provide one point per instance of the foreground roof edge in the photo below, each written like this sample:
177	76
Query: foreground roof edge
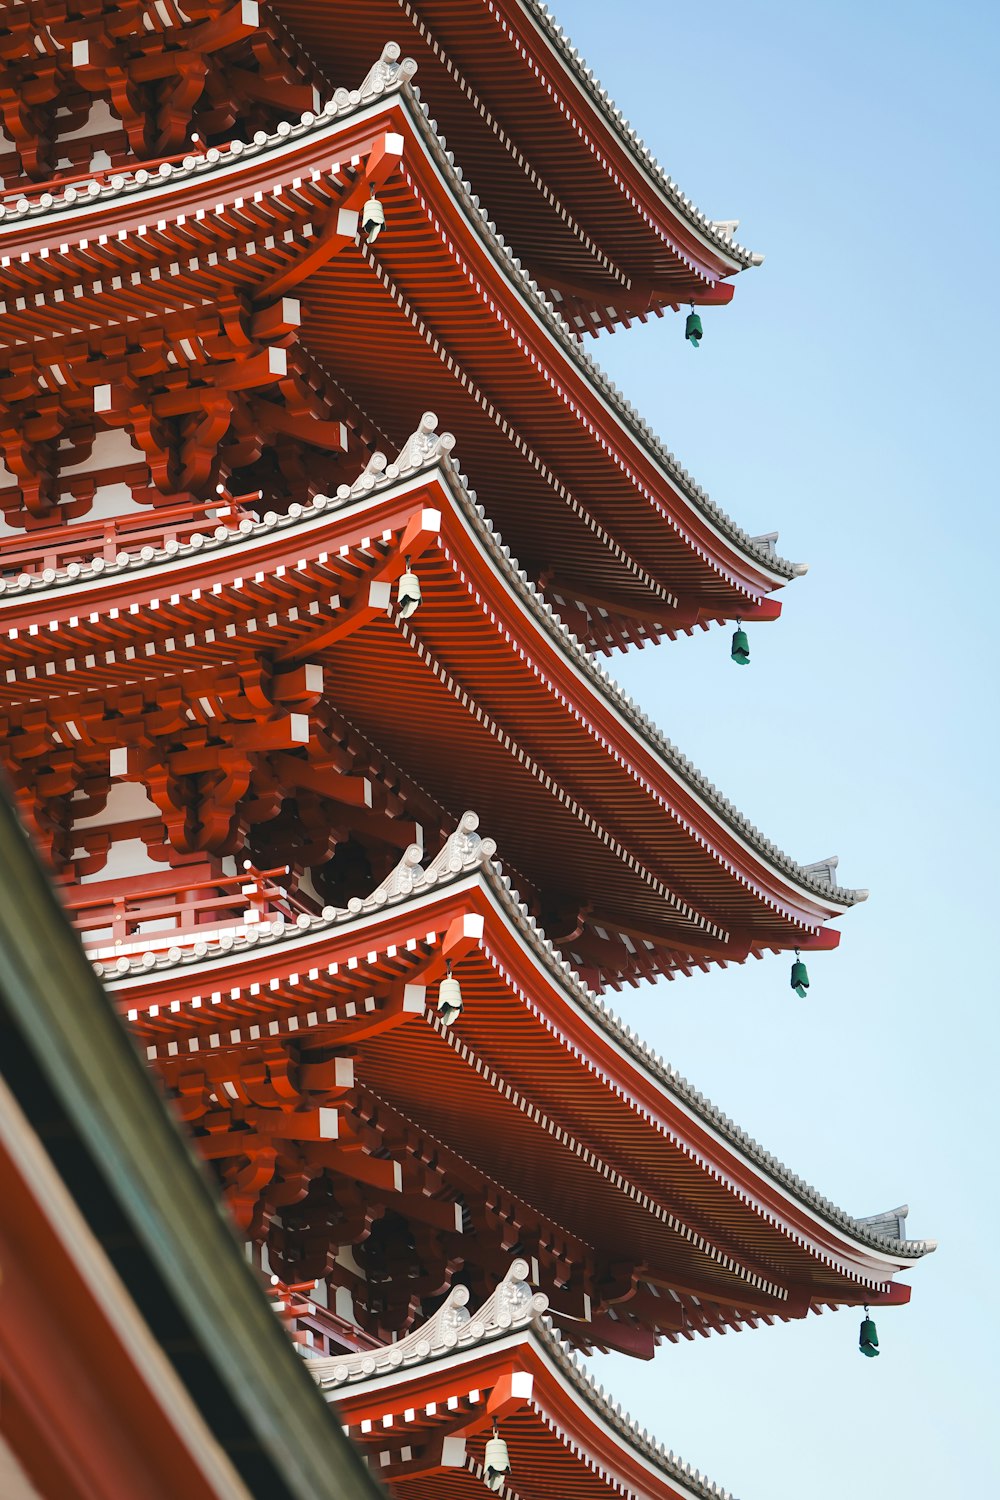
181	1251
465	854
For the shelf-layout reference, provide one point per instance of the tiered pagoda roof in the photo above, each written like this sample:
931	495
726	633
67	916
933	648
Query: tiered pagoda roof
573	1135
585	206
247	754
635	863
631	548
423	1408
602	228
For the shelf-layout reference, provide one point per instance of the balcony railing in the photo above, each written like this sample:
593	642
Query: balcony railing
31	192
117	924
317	1330
55	547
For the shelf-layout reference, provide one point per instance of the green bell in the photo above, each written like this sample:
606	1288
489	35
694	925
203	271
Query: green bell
741	648
800	977
693	329
868	1342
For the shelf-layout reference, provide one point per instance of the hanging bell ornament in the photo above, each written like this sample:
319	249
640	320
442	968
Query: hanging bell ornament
692	328
372	219
496	1463
868	1342
449	1006
408	594
800	977
741	646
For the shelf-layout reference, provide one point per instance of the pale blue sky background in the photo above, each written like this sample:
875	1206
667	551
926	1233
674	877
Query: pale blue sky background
846	398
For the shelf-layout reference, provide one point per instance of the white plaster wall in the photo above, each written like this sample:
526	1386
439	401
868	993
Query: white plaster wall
127	800
126	857
99	121
112	447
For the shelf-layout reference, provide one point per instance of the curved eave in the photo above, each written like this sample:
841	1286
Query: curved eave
674	205
553	159
581	1032
563	1433
645	755
623	416
112	215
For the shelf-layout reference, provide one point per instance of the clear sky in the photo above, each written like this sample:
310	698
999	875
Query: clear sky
846	398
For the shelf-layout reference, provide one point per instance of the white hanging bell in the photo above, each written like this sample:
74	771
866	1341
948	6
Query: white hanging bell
449	1006
408	593
496	1463
372	219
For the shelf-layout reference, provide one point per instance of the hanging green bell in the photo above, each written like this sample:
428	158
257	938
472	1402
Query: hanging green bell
868	1342
741	647
693	329
800	977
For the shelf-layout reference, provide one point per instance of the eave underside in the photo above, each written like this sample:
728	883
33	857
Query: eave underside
549	1118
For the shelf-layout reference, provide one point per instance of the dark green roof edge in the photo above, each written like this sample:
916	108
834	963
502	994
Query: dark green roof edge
125	1149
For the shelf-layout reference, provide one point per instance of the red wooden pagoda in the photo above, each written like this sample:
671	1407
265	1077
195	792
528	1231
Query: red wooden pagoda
263	647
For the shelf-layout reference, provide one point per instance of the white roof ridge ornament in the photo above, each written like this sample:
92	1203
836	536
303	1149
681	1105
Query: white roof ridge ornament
512	1305
824	872
890	1225
423	447
387	72
767	543
462	849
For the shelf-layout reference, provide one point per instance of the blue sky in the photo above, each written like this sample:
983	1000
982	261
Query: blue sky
846	398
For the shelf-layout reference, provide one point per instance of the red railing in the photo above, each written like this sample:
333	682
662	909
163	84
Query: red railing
32	191
57	546
192	911
314	1327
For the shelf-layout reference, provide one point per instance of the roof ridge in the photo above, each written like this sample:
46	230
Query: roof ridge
675	1083
760	550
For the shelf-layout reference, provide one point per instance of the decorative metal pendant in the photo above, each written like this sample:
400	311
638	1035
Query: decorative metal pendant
449	1006
496	1463
372	219
408	595
800	977
868	1341
692	328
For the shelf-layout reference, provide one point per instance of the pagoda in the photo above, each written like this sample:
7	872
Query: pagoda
318	520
